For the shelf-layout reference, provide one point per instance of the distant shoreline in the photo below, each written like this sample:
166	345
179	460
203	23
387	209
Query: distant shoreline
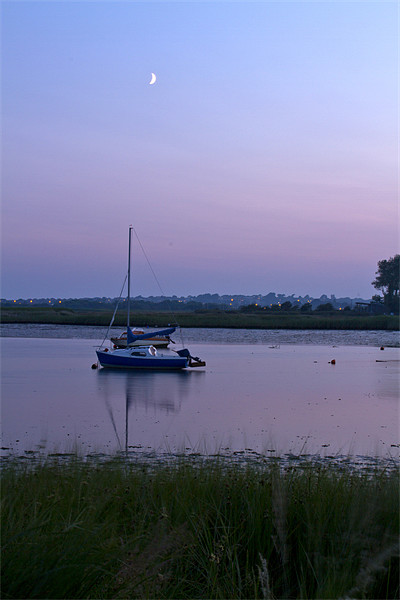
210	319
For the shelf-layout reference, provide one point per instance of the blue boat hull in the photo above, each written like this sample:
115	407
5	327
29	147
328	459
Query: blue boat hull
117	361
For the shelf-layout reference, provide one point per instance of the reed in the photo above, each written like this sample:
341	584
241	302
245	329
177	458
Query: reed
212	530
216	319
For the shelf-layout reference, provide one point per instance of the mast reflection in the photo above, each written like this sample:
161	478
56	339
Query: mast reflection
126	391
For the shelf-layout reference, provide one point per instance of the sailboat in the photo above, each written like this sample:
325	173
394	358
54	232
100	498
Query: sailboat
159	341
144	357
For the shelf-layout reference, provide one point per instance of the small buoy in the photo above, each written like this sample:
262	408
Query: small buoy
94	366
333	362
382	347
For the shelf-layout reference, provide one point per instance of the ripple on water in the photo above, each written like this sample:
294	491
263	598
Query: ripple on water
228	458
219	336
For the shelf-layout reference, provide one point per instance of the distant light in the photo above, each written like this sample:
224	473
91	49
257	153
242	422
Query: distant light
59	302
30	301
14	300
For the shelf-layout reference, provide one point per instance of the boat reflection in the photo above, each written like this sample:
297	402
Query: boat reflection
145	392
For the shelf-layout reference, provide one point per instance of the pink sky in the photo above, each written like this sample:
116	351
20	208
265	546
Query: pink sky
263	159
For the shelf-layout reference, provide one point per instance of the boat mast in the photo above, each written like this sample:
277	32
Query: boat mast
129	275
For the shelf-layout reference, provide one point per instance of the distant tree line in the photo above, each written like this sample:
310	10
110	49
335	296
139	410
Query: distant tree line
387	281
305	308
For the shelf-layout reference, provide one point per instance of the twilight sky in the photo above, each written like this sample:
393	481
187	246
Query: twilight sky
264	158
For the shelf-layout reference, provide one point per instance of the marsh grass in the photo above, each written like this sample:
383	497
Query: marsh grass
212	530
219	319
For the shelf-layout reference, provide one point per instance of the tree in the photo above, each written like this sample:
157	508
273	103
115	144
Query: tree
286	305
388	280
251	308
306	307
328	307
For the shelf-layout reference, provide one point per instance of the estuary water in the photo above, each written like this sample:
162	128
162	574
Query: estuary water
269	393
219	336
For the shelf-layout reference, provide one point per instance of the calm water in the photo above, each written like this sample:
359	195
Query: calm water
266	396
219	336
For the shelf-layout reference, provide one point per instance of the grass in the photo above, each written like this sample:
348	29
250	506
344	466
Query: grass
211	530
220	319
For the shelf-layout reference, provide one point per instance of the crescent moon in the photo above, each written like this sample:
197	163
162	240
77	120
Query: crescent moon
153	79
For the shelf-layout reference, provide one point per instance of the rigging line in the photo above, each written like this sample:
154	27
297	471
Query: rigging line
115	311
148	262
172	314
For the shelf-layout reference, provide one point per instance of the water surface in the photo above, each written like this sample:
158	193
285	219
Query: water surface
272	399
219	336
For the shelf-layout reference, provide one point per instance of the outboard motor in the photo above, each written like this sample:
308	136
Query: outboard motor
184	353
194	361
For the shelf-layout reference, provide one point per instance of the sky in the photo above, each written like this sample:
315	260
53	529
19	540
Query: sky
263	158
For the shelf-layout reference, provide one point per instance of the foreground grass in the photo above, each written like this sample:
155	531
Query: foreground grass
222	319
113	530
